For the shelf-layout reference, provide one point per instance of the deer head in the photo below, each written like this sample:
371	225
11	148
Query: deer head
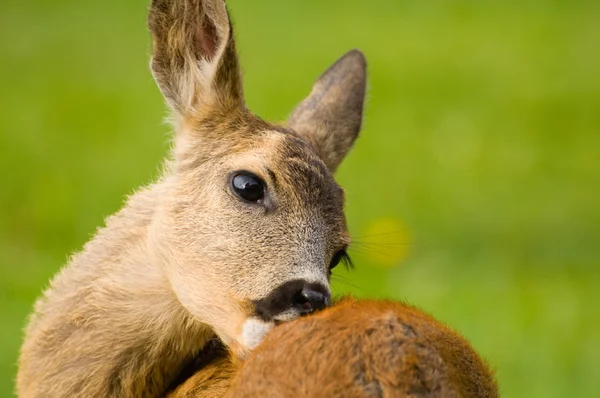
252	223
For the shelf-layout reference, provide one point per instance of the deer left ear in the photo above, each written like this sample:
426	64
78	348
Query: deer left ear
194	62
331	116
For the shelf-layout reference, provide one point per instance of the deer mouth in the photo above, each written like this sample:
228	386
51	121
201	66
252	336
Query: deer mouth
291	300
286	302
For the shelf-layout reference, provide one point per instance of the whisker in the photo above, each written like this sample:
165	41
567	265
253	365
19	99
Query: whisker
384	244
334	281
380	234
373	250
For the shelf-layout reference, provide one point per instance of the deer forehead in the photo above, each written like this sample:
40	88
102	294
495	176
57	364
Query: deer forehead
296	169
287	163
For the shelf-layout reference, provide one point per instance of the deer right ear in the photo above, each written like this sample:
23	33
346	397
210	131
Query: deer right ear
331	116
194	61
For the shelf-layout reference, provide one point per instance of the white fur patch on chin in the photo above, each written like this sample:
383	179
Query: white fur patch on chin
253	332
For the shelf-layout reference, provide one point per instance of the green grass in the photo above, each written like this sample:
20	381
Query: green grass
480	155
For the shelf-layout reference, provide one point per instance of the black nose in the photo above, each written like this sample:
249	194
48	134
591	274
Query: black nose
309	300
293	298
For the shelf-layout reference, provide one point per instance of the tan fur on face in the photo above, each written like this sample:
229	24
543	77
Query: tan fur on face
247	252
355	349
185	258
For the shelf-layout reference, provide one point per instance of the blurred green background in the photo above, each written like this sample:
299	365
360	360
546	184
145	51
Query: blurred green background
473	191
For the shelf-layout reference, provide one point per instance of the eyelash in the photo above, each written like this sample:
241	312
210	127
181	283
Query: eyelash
341	257
347	261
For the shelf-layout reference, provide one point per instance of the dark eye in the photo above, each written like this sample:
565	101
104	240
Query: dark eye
341	257
248	186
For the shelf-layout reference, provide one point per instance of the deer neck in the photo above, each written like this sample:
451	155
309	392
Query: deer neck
126	326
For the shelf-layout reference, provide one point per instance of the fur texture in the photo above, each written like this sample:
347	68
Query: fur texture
355	349
185	259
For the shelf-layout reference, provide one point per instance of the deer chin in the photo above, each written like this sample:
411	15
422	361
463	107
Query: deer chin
252	333
254	329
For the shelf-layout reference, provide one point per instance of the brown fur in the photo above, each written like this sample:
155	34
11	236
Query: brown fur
355	349
211	381
185	259
208	376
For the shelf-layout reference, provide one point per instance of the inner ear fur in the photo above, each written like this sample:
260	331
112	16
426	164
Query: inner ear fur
330	117
194	59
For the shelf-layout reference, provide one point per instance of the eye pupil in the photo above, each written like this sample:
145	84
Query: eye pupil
248	186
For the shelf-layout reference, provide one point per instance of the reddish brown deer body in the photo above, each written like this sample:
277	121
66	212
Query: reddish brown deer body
240	232
355	349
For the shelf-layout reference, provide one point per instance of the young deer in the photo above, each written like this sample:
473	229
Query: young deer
355	349
240	232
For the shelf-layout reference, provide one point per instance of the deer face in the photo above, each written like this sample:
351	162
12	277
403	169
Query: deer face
253	221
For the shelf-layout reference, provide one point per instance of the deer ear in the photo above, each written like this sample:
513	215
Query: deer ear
331	116
194	60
